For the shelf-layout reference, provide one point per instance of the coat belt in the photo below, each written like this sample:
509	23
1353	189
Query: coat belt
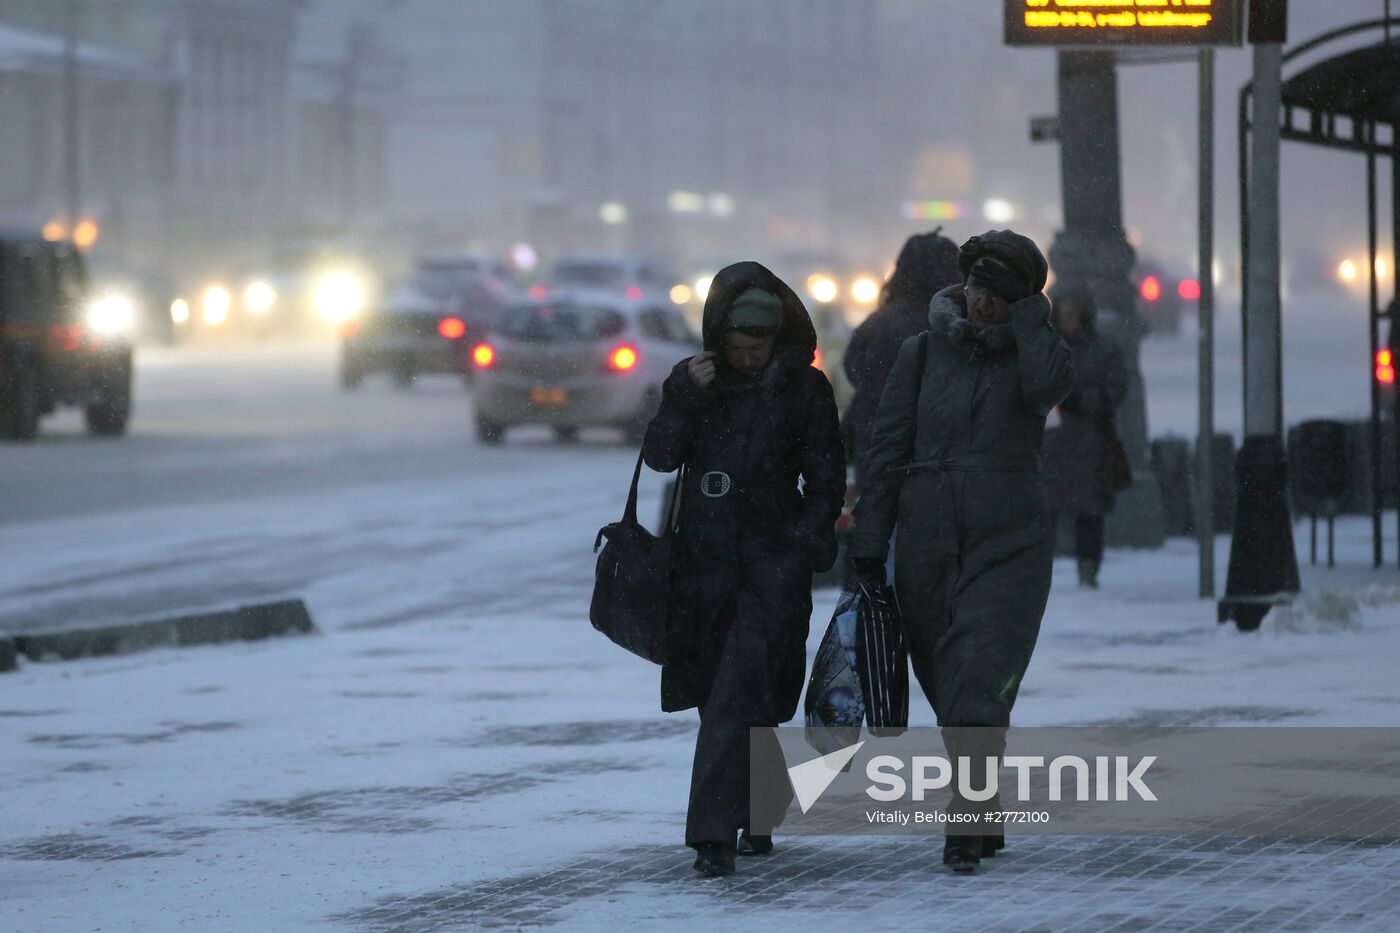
946	532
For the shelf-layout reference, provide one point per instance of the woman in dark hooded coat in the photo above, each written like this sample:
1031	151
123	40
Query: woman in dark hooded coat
1076	454
927	263
747	417
954	459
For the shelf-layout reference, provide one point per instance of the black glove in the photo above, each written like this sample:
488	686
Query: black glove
998	279
870	573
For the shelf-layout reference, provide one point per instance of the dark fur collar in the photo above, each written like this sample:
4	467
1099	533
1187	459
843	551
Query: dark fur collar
947	319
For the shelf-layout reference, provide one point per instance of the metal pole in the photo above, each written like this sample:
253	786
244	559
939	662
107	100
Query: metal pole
1205	437
72	167
1393	335
1377	552
1263	409
1263	562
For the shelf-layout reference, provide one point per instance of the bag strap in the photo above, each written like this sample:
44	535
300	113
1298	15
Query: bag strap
629	514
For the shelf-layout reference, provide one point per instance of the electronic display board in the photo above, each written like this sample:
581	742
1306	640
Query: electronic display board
1123	22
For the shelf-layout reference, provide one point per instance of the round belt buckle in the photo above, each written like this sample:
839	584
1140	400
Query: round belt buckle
715	483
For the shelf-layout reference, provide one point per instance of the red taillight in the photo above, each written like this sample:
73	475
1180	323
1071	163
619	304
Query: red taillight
817	358
1385	367
1151	288
634	293
623	358
538	291
349	328
452	327
66	336
1189	289
483	355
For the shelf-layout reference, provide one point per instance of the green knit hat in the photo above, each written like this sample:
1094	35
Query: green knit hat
756	308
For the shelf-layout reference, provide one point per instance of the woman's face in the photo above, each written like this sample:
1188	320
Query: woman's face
985	307
748	355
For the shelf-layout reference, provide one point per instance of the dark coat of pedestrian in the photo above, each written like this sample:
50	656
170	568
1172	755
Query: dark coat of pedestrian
927	263
954	459
1077	454
746	427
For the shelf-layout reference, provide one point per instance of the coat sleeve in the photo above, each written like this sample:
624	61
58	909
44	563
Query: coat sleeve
891	446
669	435
823	475
855	362
1047	375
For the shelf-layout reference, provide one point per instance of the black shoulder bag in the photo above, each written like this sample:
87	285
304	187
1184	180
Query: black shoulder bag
632	585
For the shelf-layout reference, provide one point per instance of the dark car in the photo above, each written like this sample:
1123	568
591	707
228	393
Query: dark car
1164	294
59	346
406	333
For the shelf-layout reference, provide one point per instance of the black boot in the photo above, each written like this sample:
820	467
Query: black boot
962	853
992	844
714	859
754	845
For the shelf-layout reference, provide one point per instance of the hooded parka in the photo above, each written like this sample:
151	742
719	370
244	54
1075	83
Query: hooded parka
749	540
954	459
927	263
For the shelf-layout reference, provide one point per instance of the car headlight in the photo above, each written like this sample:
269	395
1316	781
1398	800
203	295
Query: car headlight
111	314
216	304
259	297
338	296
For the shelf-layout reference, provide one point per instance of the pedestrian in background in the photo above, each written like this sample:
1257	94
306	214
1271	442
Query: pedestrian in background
927	263
954	459
747	417
1080	455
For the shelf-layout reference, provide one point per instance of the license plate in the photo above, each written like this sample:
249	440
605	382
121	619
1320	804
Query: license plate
549	396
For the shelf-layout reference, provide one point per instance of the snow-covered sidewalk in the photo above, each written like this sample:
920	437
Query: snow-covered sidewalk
504	765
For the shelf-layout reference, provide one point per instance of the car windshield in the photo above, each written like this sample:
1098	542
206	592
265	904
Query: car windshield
547	323
599	274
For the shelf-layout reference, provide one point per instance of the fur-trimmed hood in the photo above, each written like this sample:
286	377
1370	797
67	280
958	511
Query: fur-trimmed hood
947	318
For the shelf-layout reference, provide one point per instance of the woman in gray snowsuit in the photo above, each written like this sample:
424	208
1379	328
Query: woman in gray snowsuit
954	460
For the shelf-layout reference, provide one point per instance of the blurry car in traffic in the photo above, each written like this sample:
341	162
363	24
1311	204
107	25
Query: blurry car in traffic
472	286
633	277
148	292
405	333
578	359
1164	294
60	343
304	287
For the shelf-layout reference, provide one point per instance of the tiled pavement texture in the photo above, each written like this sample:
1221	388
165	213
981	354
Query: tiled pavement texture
1037	883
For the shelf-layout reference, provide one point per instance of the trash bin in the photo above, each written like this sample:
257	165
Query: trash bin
1171	461
1318	462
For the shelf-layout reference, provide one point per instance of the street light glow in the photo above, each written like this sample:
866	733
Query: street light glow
998	210
680	294
612	213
